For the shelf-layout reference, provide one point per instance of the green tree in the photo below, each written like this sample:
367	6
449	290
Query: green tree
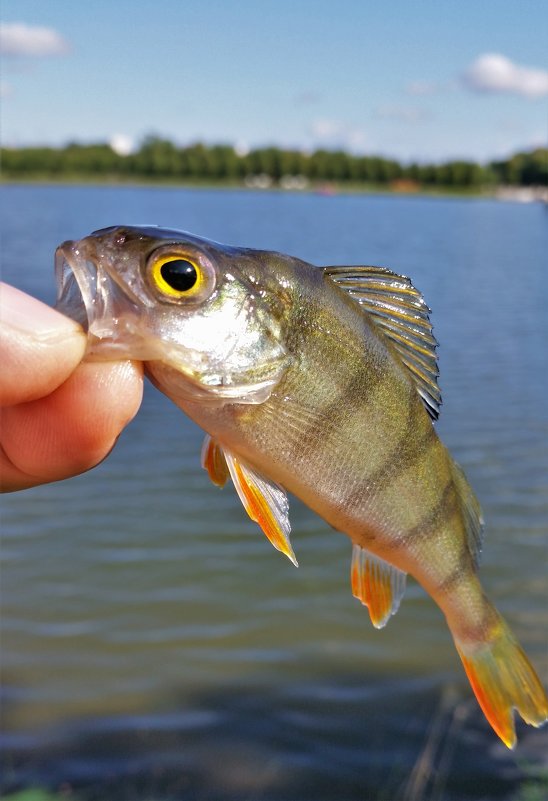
158	157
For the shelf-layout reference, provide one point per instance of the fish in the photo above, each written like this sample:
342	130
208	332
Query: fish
315	381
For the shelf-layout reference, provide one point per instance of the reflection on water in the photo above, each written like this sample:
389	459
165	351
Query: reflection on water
305	740
155	646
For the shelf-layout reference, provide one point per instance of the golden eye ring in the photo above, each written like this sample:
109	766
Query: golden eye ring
177	276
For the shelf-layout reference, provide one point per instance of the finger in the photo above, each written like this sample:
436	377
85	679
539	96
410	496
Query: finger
72	429
39	348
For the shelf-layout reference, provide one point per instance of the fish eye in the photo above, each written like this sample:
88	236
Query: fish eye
179	276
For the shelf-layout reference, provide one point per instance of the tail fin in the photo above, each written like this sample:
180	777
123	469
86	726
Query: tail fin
503	679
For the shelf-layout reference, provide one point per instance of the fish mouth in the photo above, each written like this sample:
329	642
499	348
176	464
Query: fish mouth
89	294
76	280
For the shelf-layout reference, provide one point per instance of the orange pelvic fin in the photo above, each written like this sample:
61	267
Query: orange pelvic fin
213	460
378	585
503	679
264	501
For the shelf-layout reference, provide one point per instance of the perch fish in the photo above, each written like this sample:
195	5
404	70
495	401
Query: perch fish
317	381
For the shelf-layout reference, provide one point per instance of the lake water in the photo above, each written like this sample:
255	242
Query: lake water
155	646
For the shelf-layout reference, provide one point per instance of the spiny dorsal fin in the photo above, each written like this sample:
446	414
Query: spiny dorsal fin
264	501
400	313
378	585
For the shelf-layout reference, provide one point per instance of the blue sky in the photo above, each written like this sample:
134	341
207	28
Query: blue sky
412	80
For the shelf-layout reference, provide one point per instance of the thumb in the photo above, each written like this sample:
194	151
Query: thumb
39	347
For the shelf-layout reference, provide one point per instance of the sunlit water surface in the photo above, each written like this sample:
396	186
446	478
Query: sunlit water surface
153	643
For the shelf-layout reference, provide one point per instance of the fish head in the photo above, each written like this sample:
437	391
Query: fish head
209	321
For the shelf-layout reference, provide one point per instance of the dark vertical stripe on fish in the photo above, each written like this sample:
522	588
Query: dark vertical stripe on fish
441	513
330	419
461	570
406	453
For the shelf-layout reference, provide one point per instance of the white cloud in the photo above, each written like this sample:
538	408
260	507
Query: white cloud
122	144
19	39
241	148
492	72
336	133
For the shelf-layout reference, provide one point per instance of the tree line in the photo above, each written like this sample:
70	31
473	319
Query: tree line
160	159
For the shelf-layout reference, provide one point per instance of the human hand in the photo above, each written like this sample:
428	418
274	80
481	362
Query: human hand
59	416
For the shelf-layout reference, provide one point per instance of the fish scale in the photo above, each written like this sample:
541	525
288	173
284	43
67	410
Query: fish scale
321	382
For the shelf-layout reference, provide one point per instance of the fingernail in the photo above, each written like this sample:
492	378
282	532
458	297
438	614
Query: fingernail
27	314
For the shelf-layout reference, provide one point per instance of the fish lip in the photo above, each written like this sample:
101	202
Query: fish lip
76	284
89	293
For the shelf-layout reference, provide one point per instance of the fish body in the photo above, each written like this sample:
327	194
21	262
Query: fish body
320	382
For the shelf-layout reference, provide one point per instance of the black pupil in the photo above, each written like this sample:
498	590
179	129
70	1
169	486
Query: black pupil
180	274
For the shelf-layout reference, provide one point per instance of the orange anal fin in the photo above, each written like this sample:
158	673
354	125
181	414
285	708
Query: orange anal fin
264	501
213	460
377	584
503	679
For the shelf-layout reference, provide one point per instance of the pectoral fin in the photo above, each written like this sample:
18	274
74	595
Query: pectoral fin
378	585
213	460
264	501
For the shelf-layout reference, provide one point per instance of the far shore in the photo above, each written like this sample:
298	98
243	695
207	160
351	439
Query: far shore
521	194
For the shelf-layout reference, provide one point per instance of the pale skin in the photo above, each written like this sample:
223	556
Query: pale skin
60	416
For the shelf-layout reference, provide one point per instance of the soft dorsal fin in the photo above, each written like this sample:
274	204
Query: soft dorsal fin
473	518
264	501
378	585
400	313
